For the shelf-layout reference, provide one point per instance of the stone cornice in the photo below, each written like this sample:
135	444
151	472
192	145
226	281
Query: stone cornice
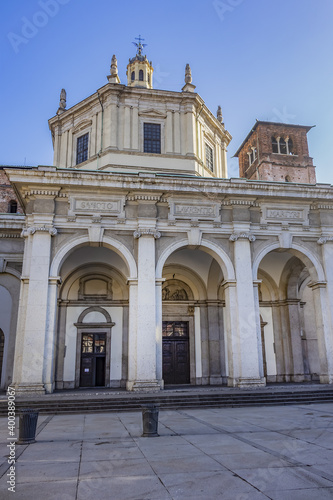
189	185
143	197
10	235
49	193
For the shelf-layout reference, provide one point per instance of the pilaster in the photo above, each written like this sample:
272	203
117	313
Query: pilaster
30	368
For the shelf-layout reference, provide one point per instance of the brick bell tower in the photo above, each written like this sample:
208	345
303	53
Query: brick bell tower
276	152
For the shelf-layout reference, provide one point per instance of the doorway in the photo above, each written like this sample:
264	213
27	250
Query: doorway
93	351
176	353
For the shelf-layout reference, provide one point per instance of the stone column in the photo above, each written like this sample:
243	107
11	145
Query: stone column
258	327
159	353
327	297
215	377
50	335
30	362
246	346
142	367
190	131
169	133
127	127
324	331
177	132
114	125
296	340
204	331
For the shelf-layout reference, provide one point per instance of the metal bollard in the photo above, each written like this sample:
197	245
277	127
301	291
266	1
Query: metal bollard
27	426
150	420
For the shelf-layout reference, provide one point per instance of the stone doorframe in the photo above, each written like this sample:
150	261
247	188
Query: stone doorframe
93	328
169	316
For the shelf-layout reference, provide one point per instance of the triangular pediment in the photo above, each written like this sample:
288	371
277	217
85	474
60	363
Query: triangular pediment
152	113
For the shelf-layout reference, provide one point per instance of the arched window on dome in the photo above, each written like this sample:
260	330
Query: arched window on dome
133	76
141	75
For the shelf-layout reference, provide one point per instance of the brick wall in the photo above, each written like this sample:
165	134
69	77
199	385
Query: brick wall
7	194
269	166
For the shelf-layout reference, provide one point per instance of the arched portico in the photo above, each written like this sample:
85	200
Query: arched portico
93	290
301	348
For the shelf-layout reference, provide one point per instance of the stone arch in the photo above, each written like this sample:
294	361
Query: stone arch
311	261
109	242
88	268
206	246
303	265
99	309
190	277
91	329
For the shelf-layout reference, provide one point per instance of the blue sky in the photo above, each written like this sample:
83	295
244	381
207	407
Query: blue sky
264	59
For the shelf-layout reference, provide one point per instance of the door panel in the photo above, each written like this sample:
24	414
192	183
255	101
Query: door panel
92	372
176	359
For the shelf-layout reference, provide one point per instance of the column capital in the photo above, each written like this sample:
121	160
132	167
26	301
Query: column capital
324	239
146	232
237	236
317	284
132	281
31	230
55	280
227	283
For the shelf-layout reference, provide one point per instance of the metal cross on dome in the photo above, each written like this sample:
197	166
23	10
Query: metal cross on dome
139	45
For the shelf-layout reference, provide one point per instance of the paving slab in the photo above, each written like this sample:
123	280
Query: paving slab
202	454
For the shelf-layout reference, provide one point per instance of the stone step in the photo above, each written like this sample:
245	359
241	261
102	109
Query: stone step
56	405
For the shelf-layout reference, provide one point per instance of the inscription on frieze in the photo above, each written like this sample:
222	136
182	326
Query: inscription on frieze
106	206
194	210
97	206
285	214
198	211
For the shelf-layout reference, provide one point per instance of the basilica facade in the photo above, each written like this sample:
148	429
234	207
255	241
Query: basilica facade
135	262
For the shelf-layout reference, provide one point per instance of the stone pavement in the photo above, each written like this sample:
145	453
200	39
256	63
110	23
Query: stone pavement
280	453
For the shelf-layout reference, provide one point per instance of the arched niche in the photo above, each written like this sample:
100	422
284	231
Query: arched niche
93	347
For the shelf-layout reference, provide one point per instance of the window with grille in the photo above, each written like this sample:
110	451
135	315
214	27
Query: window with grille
209	158
152	138
82	148
141	75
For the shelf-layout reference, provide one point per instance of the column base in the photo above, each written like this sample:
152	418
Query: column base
143	386
21	389
326	379
215	380
247	383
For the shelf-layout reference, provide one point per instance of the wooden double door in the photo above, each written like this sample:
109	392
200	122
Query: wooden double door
176	352
93	349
